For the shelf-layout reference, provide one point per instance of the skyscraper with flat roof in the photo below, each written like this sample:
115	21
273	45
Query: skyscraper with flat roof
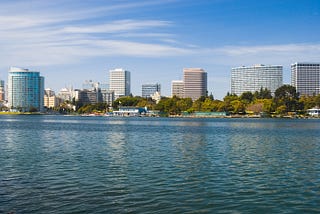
195	82
119	82
177	88
253	78
150	89
2	92
305	77
25	90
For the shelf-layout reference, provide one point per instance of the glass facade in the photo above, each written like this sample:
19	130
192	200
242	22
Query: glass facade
251	79
150	89
120	82
25	90
306	78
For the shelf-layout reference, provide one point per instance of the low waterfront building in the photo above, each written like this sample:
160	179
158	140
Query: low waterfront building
130	111
314	112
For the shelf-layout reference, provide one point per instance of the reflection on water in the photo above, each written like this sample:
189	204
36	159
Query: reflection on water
158	165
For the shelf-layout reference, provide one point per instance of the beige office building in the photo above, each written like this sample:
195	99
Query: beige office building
177	88
195	83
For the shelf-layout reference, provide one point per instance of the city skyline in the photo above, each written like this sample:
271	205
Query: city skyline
71	41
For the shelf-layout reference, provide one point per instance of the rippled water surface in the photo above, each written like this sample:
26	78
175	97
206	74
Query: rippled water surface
56	164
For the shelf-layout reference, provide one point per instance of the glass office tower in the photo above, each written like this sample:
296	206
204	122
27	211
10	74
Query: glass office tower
25	90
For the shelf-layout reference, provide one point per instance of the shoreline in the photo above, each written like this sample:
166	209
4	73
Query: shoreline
171	116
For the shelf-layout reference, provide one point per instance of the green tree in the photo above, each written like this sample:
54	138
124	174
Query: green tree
126	101
211	96
228	107
247	97
170	105
238	106
184	104
263	94
287	96
197	105
146	102
281	109
207	105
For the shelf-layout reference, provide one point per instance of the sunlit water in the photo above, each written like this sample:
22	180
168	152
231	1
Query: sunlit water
56	164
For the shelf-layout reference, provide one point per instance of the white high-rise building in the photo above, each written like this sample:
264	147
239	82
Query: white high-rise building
305	77
253	78
177	88
195	83
119	82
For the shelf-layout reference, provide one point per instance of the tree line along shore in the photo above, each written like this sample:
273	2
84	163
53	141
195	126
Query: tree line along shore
285	102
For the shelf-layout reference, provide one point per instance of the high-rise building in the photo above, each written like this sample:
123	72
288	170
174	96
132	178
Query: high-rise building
253	78
89	96
119	82
150	89
2	93
93	93
90	85
177	88
305	77
50	99
25	90
195	83
66	94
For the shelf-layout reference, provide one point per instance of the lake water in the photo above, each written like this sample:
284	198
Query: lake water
57	164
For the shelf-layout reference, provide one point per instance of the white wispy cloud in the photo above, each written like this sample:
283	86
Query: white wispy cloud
43	36
47	33
117	26
274	49
266	54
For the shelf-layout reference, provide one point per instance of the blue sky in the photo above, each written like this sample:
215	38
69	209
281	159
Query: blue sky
71	41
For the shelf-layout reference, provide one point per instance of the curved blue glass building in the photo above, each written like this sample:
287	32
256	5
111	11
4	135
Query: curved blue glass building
25	90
